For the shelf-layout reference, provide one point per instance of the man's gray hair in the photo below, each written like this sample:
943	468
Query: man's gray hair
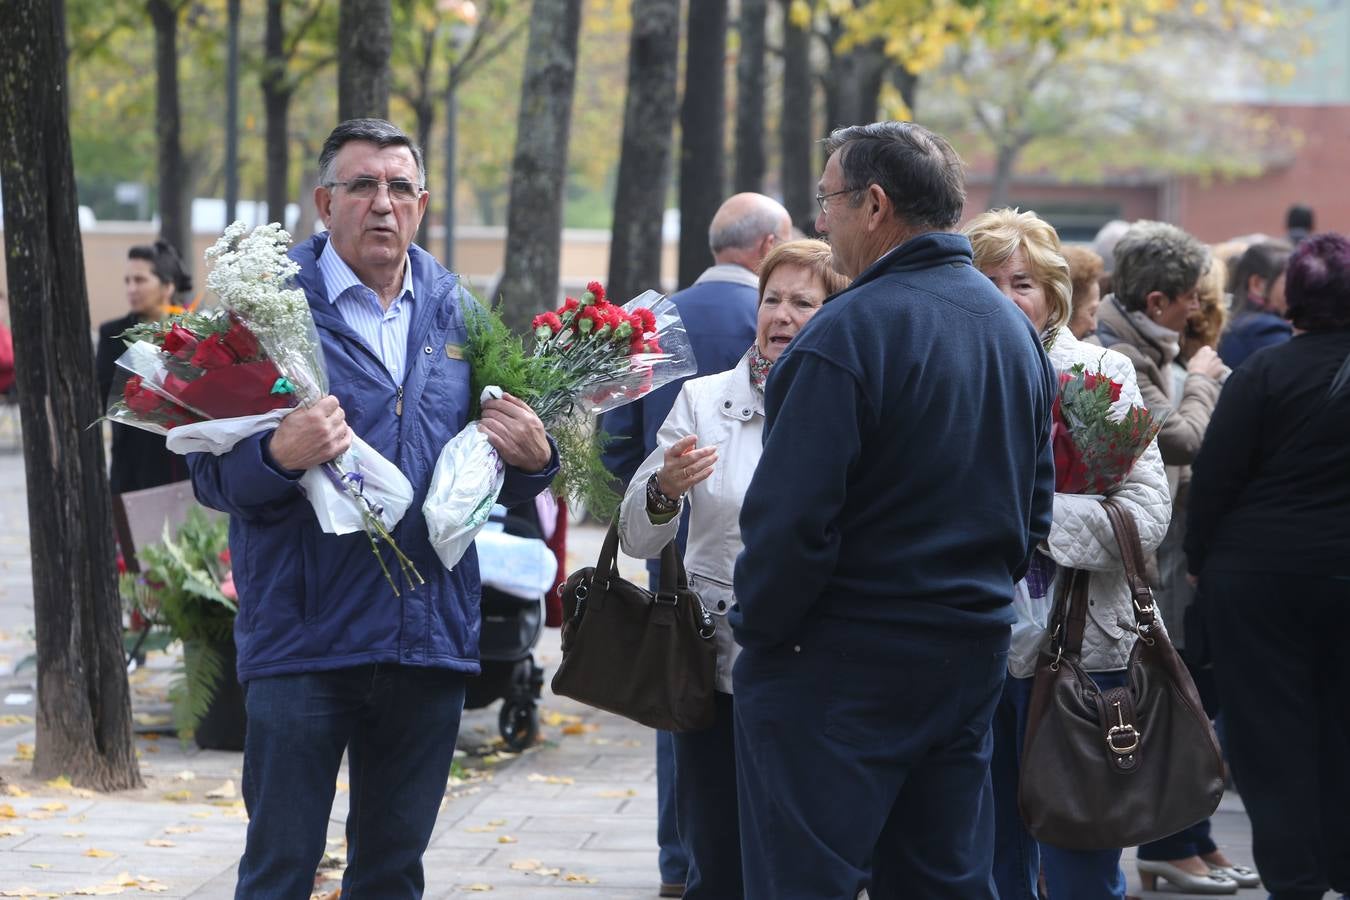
922	175
1155	256
379	132
745	232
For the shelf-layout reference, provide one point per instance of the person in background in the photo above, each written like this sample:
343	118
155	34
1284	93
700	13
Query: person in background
718	311
1189	859
906	476
716	423
1020	253
1157	275
1267	535
1085	271
1104	245
154	275
1298	223
1258	303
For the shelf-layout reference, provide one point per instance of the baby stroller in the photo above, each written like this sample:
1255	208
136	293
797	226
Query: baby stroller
517	569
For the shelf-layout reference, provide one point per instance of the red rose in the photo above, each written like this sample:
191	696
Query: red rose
138	399
241	342
597	290
212	354
180	342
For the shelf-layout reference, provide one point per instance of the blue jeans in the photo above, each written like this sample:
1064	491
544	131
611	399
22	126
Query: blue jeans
671	860
862	761
1017	856
398	726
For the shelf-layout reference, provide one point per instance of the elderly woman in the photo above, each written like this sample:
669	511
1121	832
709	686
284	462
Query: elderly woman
1268	534
1156	288
1021	254
1085	271
706	453
1258	303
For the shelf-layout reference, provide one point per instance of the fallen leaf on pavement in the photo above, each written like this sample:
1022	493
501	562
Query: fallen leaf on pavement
59	784
479	829
526	865
578	878
201	815
225	792
497	823
16	720
580	728
555	719
13	790
23	753
182	829
159	842
39	865
178	795
479	888
10	831
506	839
39	814
55	806
550	779
99	854
7	812
24	892
609	795
72	834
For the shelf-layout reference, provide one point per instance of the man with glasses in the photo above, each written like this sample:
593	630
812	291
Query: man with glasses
331	659
874	593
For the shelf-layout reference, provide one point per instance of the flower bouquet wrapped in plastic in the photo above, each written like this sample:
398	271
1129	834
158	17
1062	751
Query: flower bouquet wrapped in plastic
1096	442
589	356
208	380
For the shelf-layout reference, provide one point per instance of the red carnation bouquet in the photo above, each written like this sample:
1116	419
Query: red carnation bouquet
1096	445
589	356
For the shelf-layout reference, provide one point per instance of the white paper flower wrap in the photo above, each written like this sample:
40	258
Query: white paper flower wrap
465	483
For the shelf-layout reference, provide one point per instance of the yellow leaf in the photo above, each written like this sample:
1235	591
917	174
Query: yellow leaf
72	834
554	719
39	865
497	823
201	815
506	839
7	812
182	829
55	806
178	795
617	794
550	779
10	831
526	865
159	842
479	829
99	854
13	790
25	752
578	878
59	784
478	888
580	728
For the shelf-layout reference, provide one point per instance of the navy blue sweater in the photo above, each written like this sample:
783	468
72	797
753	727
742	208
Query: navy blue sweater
907	471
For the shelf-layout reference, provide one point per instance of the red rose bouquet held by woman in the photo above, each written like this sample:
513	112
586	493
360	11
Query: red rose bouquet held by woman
208	380
589	357
1096	444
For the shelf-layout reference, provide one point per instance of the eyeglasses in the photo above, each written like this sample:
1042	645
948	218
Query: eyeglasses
821	198
365	186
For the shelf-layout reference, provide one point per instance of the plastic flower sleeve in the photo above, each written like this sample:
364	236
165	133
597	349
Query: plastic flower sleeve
134	401
386	492
671	357
464	485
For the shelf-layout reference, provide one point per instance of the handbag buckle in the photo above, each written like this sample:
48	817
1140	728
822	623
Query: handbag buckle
1122	739
661	598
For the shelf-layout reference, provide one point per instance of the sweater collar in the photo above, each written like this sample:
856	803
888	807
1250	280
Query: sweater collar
920	252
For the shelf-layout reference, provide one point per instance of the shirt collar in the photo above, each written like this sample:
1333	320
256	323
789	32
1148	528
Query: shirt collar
338	277
729	272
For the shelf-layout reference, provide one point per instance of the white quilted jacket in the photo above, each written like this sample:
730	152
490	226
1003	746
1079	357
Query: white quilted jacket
1081	535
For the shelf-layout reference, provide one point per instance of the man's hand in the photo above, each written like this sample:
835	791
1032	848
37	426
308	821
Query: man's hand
310	437
516	433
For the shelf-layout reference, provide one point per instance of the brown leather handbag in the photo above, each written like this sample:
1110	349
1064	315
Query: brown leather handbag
1121	767
648	657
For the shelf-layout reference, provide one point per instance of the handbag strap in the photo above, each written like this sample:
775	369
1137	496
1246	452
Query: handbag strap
1132	556
673	576
1069	619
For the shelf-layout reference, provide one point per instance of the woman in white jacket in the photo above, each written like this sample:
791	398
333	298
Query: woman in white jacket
1021	254
706	454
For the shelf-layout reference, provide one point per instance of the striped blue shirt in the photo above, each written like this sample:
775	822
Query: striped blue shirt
385	331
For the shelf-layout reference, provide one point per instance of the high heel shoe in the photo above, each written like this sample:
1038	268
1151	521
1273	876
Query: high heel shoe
1189	882
1244	876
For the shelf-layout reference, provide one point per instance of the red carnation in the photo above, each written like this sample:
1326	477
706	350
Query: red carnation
654	346
597	290
570	304
180	342
647	317
241	342
212	354
636	344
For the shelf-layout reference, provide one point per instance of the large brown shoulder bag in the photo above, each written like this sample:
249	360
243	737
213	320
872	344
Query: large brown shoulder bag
1125	766
648	657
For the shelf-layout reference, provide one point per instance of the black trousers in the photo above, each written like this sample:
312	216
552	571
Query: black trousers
706	807
1283	673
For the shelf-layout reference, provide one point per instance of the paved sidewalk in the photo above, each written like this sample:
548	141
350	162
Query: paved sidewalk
575	814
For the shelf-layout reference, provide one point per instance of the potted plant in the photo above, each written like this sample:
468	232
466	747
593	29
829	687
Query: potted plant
186	589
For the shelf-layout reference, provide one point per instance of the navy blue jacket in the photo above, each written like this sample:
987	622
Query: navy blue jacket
907	471
1252	331
719	317
311	601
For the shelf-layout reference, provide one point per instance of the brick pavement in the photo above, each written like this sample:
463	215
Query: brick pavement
576	814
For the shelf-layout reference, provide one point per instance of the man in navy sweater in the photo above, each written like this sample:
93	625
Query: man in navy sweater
906	477
718	311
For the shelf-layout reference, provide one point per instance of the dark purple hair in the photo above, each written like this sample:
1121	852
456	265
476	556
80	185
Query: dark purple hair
1317	283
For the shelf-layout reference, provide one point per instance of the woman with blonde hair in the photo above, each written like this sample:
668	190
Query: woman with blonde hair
1021	254
706	453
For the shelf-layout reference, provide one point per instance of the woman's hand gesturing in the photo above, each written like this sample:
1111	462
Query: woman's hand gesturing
685	465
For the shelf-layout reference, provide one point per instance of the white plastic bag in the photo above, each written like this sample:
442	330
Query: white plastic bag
465	483
382	484
519	566
387	490
1029	632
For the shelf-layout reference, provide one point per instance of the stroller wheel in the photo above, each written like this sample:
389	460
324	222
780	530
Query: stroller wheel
519	724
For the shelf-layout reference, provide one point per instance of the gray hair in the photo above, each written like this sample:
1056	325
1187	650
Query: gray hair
1155	256
922	175
379	132
744	232
1104	244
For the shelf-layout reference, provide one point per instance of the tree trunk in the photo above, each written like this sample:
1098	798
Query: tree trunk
365	33
232	114
308	215
750	97
853	86
276	109
425	109
644	162
451	173
84	707
907	83
534	217
1003	169
702	153
173	200
796	130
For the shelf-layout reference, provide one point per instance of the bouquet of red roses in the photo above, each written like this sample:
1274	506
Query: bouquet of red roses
1095	443
210	379
589	356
